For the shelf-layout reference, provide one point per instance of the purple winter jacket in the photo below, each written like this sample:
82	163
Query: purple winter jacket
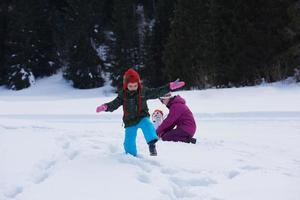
180	116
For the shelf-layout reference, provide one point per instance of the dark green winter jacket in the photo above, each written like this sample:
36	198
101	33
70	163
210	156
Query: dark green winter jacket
132	117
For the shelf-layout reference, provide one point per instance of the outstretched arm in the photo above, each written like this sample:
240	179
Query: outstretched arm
111	106
153	93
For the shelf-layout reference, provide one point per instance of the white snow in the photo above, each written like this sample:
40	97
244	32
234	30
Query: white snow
54	146
102	52
51	63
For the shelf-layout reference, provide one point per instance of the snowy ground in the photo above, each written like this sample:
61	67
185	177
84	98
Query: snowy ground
54	146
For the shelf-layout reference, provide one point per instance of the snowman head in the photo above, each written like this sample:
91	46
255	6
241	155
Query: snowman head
157	117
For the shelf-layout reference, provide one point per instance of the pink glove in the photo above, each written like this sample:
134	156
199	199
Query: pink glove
176	84
101	108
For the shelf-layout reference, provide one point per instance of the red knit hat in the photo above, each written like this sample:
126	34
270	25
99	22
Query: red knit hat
131	76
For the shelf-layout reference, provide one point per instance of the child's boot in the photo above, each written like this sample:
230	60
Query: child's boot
152	148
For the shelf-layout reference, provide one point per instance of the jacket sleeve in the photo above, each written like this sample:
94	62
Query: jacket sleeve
115	104
169	122
154	93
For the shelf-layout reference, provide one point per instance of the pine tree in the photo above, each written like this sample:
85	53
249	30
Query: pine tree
223	47
3	35
290	59
45	60
84	67
154	72
125	48
29	44
187	50
248	36
228	43
18	48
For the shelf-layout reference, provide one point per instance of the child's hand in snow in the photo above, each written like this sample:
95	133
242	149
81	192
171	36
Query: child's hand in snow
101	108
176	84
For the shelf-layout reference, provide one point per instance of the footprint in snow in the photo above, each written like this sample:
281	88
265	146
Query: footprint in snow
168	171
13	192
250	168
232	174
135	161
143	178
181	192
204	181
66	145
73	154
43	172
41	178
113	148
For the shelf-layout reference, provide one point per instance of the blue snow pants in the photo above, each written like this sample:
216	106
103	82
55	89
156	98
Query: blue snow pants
131	132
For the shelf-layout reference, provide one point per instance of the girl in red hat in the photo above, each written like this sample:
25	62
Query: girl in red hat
133	98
